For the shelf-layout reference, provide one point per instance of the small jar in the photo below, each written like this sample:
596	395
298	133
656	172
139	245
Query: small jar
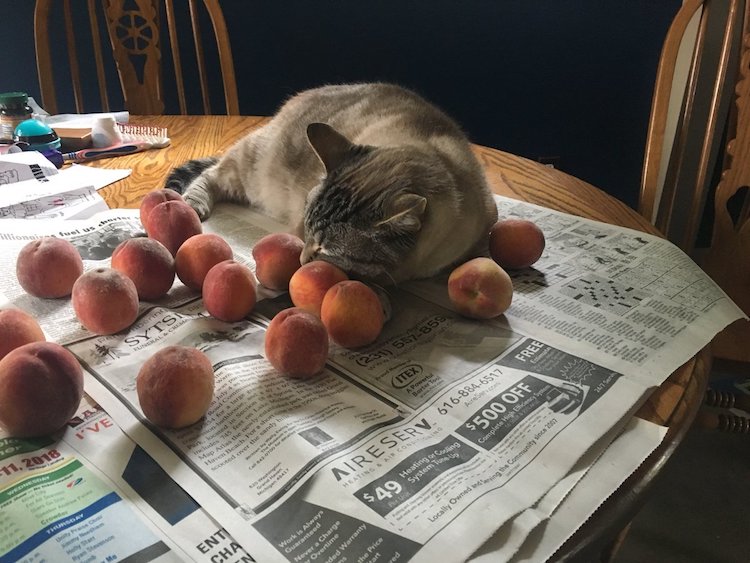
14	108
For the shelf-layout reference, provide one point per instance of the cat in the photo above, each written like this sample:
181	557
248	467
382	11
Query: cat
374	178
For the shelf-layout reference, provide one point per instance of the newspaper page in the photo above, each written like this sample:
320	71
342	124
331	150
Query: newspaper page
420	445
93	494
633	302
96	238
419	465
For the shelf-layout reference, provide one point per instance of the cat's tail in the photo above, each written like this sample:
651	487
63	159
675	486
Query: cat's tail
180	177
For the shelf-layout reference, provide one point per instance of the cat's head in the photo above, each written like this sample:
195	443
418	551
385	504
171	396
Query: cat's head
366	214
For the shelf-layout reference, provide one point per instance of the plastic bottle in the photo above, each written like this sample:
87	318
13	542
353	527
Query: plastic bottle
14	108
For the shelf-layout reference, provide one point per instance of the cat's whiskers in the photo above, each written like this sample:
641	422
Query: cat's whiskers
390	277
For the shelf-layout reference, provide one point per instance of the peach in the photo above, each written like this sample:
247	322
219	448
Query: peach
297	343
516	243
41	386
229	291
352	313
480	289
172	223
154	198
175	386
311	281
48	267
198	255
148	263
105	300
17	328
277	257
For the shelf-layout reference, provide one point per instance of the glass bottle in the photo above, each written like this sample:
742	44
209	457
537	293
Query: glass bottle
14	108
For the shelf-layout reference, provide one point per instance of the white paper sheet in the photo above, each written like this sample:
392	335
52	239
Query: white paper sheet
81	203
31	187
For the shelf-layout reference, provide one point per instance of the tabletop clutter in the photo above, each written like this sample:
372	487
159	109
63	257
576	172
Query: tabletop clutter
417	407
71	138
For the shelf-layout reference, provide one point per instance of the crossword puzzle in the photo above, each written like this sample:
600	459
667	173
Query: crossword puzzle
530	280
603	293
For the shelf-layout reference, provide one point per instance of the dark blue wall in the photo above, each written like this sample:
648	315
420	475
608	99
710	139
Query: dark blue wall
540	78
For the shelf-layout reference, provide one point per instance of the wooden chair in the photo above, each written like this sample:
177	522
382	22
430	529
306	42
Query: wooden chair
687	125
697	174
141	48
697	167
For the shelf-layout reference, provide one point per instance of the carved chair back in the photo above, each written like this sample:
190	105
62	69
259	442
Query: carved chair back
141	38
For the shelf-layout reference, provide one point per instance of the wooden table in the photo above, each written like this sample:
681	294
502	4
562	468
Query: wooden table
673	404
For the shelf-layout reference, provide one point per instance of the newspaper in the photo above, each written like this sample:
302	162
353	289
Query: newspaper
73	497
538	533
93	476
423	444
632	301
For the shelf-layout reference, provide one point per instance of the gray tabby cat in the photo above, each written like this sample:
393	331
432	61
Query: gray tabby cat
371	176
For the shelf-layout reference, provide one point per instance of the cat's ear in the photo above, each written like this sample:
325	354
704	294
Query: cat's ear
330	145
405	212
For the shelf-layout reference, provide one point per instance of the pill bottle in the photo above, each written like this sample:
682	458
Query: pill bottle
14	108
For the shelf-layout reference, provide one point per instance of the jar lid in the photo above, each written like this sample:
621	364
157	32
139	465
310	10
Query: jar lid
40	136
14	98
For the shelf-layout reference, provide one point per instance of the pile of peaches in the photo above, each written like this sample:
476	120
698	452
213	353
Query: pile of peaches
175	385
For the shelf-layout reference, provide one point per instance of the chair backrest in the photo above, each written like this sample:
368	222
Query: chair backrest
689	119
704	177
728	258
142	38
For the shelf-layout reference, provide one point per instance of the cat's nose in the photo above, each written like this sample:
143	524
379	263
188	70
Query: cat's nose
309	252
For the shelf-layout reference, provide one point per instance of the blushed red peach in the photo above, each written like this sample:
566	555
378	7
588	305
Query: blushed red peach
198	255
297	343
352	313
172	223
41	386
277	257
480	289
154	198
516	243
105	300
229	291
309	284
48	267
175	386
148	263
17	328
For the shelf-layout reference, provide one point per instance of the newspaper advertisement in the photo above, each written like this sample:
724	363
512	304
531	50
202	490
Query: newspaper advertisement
175	528
276	449
425	442
92	494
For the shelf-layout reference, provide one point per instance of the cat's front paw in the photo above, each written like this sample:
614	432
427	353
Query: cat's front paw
201	206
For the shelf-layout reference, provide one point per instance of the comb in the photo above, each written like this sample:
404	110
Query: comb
132	134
